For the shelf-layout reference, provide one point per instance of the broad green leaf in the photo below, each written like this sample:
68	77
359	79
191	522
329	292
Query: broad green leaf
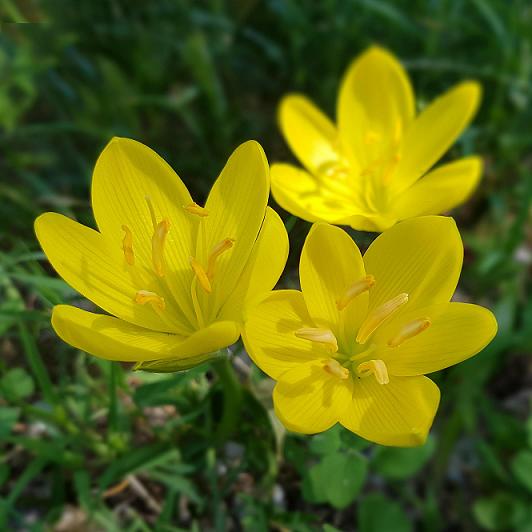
17	384
376	513
326	442
395	463
503	511
521	466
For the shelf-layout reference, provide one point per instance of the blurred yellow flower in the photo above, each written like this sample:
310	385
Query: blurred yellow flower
354	345
374	167
175	277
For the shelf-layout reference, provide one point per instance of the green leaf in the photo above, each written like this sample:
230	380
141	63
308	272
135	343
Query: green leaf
17	384
8	417
398	464
337	479
377	513
503	511
521	466
326	442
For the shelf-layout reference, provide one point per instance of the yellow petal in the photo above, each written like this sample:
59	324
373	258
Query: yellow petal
457	332
269	333
399	413
330	264
375	104
126	173
263	268
434	131
440	190
98	271
308	399
113	339
236	206
309	198
309	133
421	257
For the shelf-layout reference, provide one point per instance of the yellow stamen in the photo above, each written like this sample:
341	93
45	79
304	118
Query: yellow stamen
391	168
321	336
157	246
224	245
127	245
145	296
355	290
374	367
409	331
333	367
201	275
378	316
196	209
152	212
371	137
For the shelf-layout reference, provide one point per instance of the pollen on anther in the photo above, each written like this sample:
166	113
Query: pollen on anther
127	245
409	331
320	336
201	275
221	247
145	296
333	367
355	290
378	316
198	210
377	368
158	240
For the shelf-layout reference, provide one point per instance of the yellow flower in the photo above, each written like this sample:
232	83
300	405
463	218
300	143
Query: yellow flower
374	167
175	277
354	345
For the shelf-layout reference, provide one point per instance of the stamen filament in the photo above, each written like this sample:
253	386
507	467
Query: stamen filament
378	316
145	296
195	303
201	275
321	336
355	290
196	209
224	245
409	331
157	246
127	245
377	368
152	212
333	367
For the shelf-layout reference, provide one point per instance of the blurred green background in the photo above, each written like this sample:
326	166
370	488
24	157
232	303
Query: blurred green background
86	445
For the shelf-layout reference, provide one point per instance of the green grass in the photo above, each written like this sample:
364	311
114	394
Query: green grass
84	439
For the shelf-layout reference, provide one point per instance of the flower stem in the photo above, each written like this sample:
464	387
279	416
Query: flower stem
232	399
